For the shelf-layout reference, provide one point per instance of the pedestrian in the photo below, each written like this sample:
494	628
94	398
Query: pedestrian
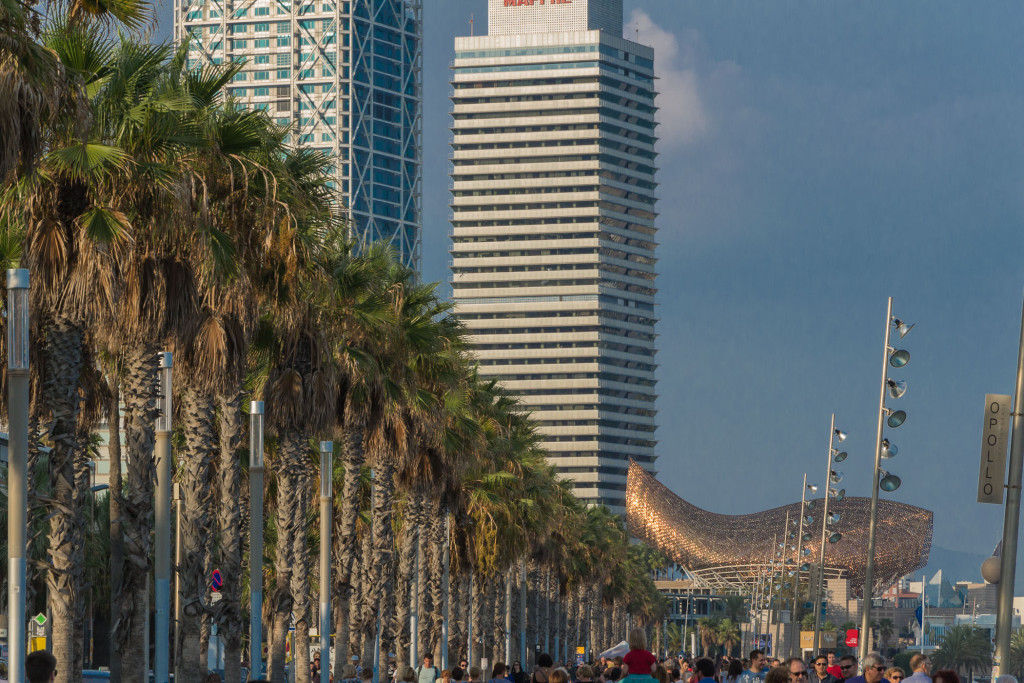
946	676
734	673
756	671
498	673
585	674
475	674
558	676
349	674
833	666
705	669
518	675
314	671
894	674
821	674
638	661
848	667
446	676
661	674
777	674
797	670
40	667
920	666
458	674
872	668
427	672
543	670
366	674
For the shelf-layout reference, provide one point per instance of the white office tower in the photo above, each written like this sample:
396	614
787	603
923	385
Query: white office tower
554	227
345	75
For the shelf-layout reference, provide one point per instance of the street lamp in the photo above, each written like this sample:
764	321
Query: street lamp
326	468
795	631
882	480
831	477
17	482
256	539
162	516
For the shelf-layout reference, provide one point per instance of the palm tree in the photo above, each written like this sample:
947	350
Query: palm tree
885	629
963	648
728	635
1015	660
707	628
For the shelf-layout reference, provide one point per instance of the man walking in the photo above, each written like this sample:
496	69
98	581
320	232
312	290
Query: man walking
756	671
797	670
40	667
873	668
848	667
821	674
922	668
427	672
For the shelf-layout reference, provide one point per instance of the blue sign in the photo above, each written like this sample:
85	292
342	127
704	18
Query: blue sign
216	581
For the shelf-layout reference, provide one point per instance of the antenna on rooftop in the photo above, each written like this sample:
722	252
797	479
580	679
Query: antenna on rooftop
470	23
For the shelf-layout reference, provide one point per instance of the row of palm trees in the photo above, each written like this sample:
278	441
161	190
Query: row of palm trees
154	214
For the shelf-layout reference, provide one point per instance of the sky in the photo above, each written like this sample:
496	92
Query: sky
815	159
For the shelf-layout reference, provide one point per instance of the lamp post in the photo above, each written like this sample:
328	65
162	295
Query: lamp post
1011	520
326	468
833	435
795	637
17	482
162	516
178	611
256	539
883	449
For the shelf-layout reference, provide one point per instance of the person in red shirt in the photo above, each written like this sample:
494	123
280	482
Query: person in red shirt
639	661
833	666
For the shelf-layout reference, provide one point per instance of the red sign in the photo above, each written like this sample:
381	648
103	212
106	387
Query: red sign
851	637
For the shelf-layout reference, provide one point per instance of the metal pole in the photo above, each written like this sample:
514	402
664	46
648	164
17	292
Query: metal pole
1011	518
469	625
414	603
547	610
326	469
508	615
178	613
824	540
17	482
796	579
522	614
162	516
446	589
869	571
256	539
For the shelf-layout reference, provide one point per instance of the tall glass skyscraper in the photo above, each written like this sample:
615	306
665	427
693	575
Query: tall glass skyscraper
346	76
553	171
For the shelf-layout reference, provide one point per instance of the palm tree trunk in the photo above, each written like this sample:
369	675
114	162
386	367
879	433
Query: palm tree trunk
361	584
64	357
406	568
347	545
367	616
140	393
425	606
596	619
300	580
475	630
534	616
197	413
116	536
281	602
381	597
230	525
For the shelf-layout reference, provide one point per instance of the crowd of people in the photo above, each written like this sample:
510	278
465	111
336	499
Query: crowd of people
639	665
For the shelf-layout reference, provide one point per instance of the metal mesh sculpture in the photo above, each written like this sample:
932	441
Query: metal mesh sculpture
730	551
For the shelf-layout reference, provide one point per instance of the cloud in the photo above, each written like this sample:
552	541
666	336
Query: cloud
682	116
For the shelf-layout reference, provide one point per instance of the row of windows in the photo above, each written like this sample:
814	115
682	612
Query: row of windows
603	438
601	391
605	376
546	144
590	407
588	345
558	159
641	122
609	424
552	268
600	360
524	315
551	84
605	329
608	174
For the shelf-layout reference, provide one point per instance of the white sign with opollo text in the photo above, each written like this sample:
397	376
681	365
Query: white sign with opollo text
994	437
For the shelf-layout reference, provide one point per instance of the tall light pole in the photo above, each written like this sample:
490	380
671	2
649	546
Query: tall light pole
1011	520
256	539
883	449
179	613
17	481
833	435
794	627
326	468
162	516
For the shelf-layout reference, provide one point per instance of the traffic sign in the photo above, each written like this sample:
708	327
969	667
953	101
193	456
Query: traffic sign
217	581
40	619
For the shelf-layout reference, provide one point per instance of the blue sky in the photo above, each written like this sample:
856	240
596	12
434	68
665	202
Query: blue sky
816	158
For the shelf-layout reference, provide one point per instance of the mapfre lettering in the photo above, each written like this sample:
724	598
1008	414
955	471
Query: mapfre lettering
531	3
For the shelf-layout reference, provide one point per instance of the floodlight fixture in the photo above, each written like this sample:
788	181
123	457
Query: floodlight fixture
896	418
